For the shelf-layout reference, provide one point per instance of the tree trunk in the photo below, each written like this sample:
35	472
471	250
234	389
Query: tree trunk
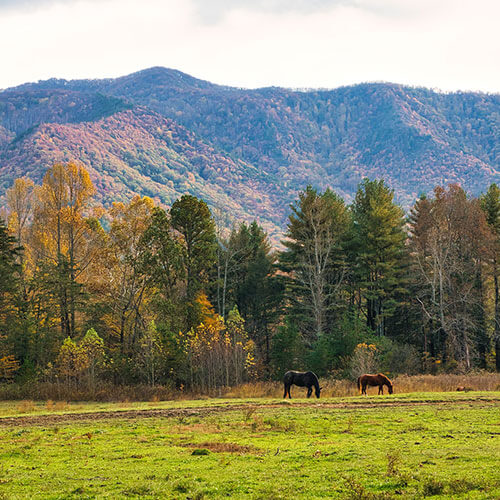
496	334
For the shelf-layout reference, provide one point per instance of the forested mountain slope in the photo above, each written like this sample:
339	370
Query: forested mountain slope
268	142
139	151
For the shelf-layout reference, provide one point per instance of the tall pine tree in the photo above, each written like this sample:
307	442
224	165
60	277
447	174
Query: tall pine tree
192	218
377	252
253	286
490	203
314	260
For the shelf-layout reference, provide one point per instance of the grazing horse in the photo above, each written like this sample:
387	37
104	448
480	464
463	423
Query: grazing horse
380	379
302	379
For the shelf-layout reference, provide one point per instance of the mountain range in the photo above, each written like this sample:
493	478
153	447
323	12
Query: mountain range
162	133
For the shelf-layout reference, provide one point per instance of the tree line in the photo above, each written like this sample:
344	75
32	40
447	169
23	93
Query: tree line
135	293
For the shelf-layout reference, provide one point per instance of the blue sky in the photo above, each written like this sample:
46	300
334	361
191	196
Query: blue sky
445	44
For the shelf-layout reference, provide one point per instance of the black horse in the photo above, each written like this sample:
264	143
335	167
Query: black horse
302	379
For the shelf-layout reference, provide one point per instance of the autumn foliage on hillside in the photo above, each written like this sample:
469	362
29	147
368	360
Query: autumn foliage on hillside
161	133
137	151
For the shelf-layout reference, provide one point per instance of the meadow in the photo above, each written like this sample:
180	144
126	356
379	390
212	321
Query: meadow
415	445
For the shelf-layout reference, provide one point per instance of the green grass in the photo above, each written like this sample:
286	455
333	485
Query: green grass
443	445
32	408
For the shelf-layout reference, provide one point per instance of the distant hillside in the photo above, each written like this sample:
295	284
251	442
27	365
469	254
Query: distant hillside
139	151
249	150
21	110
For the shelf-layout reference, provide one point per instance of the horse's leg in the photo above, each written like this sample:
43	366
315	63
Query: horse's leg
289	395
363	389
284	395
309	391
381	389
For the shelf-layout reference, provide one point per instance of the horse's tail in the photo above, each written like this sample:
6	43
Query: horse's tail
359	384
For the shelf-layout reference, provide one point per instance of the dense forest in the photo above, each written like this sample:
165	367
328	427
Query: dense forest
185	297
162	133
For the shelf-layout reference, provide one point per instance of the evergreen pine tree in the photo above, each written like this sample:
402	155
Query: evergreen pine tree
314	261
192	218
490	203
377	246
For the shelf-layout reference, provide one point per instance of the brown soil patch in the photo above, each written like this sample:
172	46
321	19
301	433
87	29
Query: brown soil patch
224	447
202	427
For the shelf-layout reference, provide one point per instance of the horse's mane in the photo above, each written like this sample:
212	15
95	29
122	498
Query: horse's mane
381	375
315	379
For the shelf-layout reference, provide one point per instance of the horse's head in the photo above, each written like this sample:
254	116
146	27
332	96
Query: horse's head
318	391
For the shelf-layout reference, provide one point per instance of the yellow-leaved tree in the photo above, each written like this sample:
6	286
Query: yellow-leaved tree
20	207
81	360
219	353
122	286
64	235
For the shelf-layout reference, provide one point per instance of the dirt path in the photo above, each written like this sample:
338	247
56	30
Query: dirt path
26	421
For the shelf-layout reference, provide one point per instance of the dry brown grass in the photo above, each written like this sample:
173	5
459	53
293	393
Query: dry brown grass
61	406
57	406
26	406
105	392
198	428
255	390
329	388
483	381
50	392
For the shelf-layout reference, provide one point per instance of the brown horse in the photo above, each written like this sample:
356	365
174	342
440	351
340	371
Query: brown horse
372	380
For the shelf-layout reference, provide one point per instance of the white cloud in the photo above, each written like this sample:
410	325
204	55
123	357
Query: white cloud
214	11
450	44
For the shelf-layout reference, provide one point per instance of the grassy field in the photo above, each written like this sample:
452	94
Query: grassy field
440	445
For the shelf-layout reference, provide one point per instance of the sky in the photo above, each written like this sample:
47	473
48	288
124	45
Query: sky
443	44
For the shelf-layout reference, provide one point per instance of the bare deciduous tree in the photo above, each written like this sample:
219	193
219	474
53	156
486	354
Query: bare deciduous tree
449	242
